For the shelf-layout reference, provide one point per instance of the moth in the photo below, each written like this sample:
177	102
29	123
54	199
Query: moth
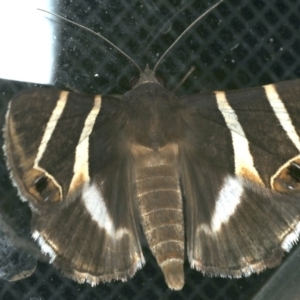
189	173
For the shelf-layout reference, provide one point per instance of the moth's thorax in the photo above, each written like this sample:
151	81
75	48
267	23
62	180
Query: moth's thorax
153	118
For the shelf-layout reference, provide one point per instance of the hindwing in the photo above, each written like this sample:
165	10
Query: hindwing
68	157
240	177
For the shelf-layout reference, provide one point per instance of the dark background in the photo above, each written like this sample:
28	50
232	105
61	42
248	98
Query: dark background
242	43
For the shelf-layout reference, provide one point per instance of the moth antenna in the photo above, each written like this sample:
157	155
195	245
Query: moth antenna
162	27
183	33
97	34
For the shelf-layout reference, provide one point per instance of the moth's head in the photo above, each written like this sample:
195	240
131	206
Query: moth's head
147	76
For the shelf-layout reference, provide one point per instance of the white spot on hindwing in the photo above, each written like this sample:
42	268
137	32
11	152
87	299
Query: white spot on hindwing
95	205
45	247
228	199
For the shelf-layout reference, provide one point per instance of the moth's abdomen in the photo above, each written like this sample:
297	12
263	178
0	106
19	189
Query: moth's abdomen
160	204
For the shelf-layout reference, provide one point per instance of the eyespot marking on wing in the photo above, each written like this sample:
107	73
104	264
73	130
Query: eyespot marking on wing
287	177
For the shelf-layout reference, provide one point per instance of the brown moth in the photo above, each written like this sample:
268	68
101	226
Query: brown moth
189	173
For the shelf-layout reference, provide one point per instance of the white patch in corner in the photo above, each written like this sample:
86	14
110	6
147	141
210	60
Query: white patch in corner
95	205
291	239
229	198
46	248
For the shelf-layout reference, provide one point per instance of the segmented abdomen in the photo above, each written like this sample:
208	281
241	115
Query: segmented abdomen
160	204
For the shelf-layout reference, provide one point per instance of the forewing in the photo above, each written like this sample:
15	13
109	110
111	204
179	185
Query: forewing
68	157
239	165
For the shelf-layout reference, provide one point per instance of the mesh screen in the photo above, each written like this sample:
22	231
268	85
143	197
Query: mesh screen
240	44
